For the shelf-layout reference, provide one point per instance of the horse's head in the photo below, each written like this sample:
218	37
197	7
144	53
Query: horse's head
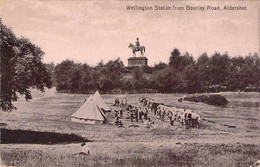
130	45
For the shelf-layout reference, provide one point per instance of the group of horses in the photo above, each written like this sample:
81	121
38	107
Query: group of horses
179	116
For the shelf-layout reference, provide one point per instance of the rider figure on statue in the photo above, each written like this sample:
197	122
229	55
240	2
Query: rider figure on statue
137	44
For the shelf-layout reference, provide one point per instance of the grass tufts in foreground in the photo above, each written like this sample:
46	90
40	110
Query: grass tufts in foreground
236	155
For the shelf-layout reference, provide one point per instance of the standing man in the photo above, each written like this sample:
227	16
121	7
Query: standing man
116	101
122	104
136	114
131	115
125	102
121	113
163	115
116	113
141	114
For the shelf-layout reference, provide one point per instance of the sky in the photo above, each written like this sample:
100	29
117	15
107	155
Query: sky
88	31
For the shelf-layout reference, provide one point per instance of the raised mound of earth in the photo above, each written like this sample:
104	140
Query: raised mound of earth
216	100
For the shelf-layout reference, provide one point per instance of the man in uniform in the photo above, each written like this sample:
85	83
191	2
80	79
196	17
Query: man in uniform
136	114
131	115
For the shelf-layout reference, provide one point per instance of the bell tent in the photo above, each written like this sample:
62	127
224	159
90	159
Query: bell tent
100	102
89	113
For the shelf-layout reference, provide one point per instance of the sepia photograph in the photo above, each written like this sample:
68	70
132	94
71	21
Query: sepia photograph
133	83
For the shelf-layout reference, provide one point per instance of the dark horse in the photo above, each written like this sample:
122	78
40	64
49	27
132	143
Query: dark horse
135	49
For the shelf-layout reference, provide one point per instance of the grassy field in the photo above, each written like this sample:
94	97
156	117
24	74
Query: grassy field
135	154
227	136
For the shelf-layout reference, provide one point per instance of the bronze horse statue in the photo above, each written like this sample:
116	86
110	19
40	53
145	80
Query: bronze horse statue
136	49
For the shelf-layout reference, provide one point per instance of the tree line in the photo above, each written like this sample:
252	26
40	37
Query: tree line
22	68
182	74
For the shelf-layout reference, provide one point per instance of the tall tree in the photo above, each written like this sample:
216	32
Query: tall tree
175	58
65	76
203	72
192	79
178	61
86	83
219	69
110	75
234	80
21	68
249	73
51	70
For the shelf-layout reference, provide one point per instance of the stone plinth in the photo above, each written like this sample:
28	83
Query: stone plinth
137	61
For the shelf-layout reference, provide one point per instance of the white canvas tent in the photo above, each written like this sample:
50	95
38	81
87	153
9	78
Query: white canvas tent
100	102
89	113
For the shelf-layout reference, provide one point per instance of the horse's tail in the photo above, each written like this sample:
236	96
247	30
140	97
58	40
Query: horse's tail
144	49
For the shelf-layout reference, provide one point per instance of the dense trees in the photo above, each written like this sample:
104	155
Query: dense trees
81	78
21	68
218	72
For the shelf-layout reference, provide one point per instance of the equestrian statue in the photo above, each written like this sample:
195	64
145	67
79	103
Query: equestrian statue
137	47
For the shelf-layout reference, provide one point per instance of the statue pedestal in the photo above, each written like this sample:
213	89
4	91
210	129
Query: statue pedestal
137	61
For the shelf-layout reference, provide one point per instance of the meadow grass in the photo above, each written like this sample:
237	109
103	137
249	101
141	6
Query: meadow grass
217	155
52	114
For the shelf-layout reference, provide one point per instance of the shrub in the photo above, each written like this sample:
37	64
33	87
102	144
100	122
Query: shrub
216	100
